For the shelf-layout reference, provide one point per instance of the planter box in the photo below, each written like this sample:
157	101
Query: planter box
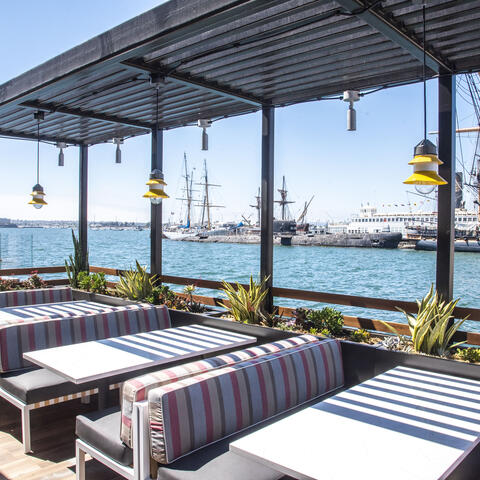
362	361
264	334
100	298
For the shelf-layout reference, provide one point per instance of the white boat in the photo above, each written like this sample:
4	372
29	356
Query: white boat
369	220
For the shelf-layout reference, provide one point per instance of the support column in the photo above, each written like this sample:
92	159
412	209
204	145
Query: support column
82	203
446	193
156	210
266	219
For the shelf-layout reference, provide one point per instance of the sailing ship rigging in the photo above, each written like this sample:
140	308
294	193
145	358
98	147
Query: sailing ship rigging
205	202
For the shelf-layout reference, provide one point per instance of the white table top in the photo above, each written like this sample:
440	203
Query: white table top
405	424
46	311
84	362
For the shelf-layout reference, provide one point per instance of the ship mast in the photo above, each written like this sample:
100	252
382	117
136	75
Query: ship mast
188	190
206	205
283	199
258	205
302	216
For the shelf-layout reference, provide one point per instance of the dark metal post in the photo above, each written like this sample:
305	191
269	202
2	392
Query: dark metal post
82	202
156	210
446	193
266	239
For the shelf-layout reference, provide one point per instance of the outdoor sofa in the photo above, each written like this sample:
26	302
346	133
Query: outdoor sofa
183	418
28	387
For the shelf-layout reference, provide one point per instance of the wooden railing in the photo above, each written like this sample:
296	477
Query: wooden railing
7	272
473	314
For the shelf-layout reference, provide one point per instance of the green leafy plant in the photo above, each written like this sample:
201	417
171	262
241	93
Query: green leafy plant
471	355
246	303
94	282
433	328
163	295
76	263
84	281
326	319
136	284
360	335
99	283
192	305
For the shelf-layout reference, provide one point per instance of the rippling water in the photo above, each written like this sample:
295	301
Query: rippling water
395	274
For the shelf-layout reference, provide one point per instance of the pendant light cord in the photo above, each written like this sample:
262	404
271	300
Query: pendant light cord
424	79
38	151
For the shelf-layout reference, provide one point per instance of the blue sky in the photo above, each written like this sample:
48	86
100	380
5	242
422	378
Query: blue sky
312	147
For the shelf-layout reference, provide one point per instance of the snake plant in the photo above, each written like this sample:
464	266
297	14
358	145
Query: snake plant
433	327
136	284
76	263
246	303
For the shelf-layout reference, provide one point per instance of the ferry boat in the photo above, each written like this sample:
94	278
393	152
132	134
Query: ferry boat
409	224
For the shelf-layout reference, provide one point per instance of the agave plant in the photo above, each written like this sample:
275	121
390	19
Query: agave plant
136	284
76	263
433	327
246	304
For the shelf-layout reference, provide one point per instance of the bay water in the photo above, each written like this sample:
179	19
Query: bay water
394	274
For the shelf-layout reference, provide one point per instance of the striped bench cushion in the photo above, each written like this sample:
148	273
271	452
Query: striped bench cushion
47	311
136	389
197	411
14	298
24	337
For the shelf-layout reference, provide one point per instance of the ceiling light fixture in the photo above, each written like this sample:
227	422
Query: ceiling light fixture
204	124
425	161
118	152
351	96
61	156
37	191
156	182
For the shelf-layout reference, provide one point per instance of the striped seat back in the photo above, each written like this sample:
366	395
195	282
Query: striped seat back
15	298
192	413
18	338
136	389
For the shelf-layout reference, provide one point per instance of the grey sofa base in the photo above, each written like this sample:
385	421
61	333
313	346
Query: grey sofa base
30	389
215	462
101	431
39	385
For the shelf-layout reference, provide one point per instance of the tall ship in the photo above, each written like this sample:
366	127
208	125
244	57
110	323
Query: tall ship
190	226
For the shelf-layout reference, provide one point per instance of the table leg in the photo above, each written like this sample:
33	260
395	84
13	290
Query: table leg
103	389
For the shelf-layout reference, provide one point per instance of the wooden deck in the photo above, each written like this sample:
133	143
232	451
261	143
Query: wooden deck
53	444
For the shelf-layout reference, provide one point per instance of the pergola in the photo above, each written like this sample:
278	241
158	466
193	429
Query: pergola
219	58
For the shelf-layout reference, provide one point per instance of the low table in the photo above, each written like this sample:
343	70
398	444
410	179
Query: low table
99	360
48	311
404	424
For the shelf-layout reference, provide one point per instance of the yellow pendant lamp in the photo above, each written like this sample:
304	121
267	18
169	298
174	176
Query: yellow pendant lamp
38	193
425	165
155	188
156	182
425	160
